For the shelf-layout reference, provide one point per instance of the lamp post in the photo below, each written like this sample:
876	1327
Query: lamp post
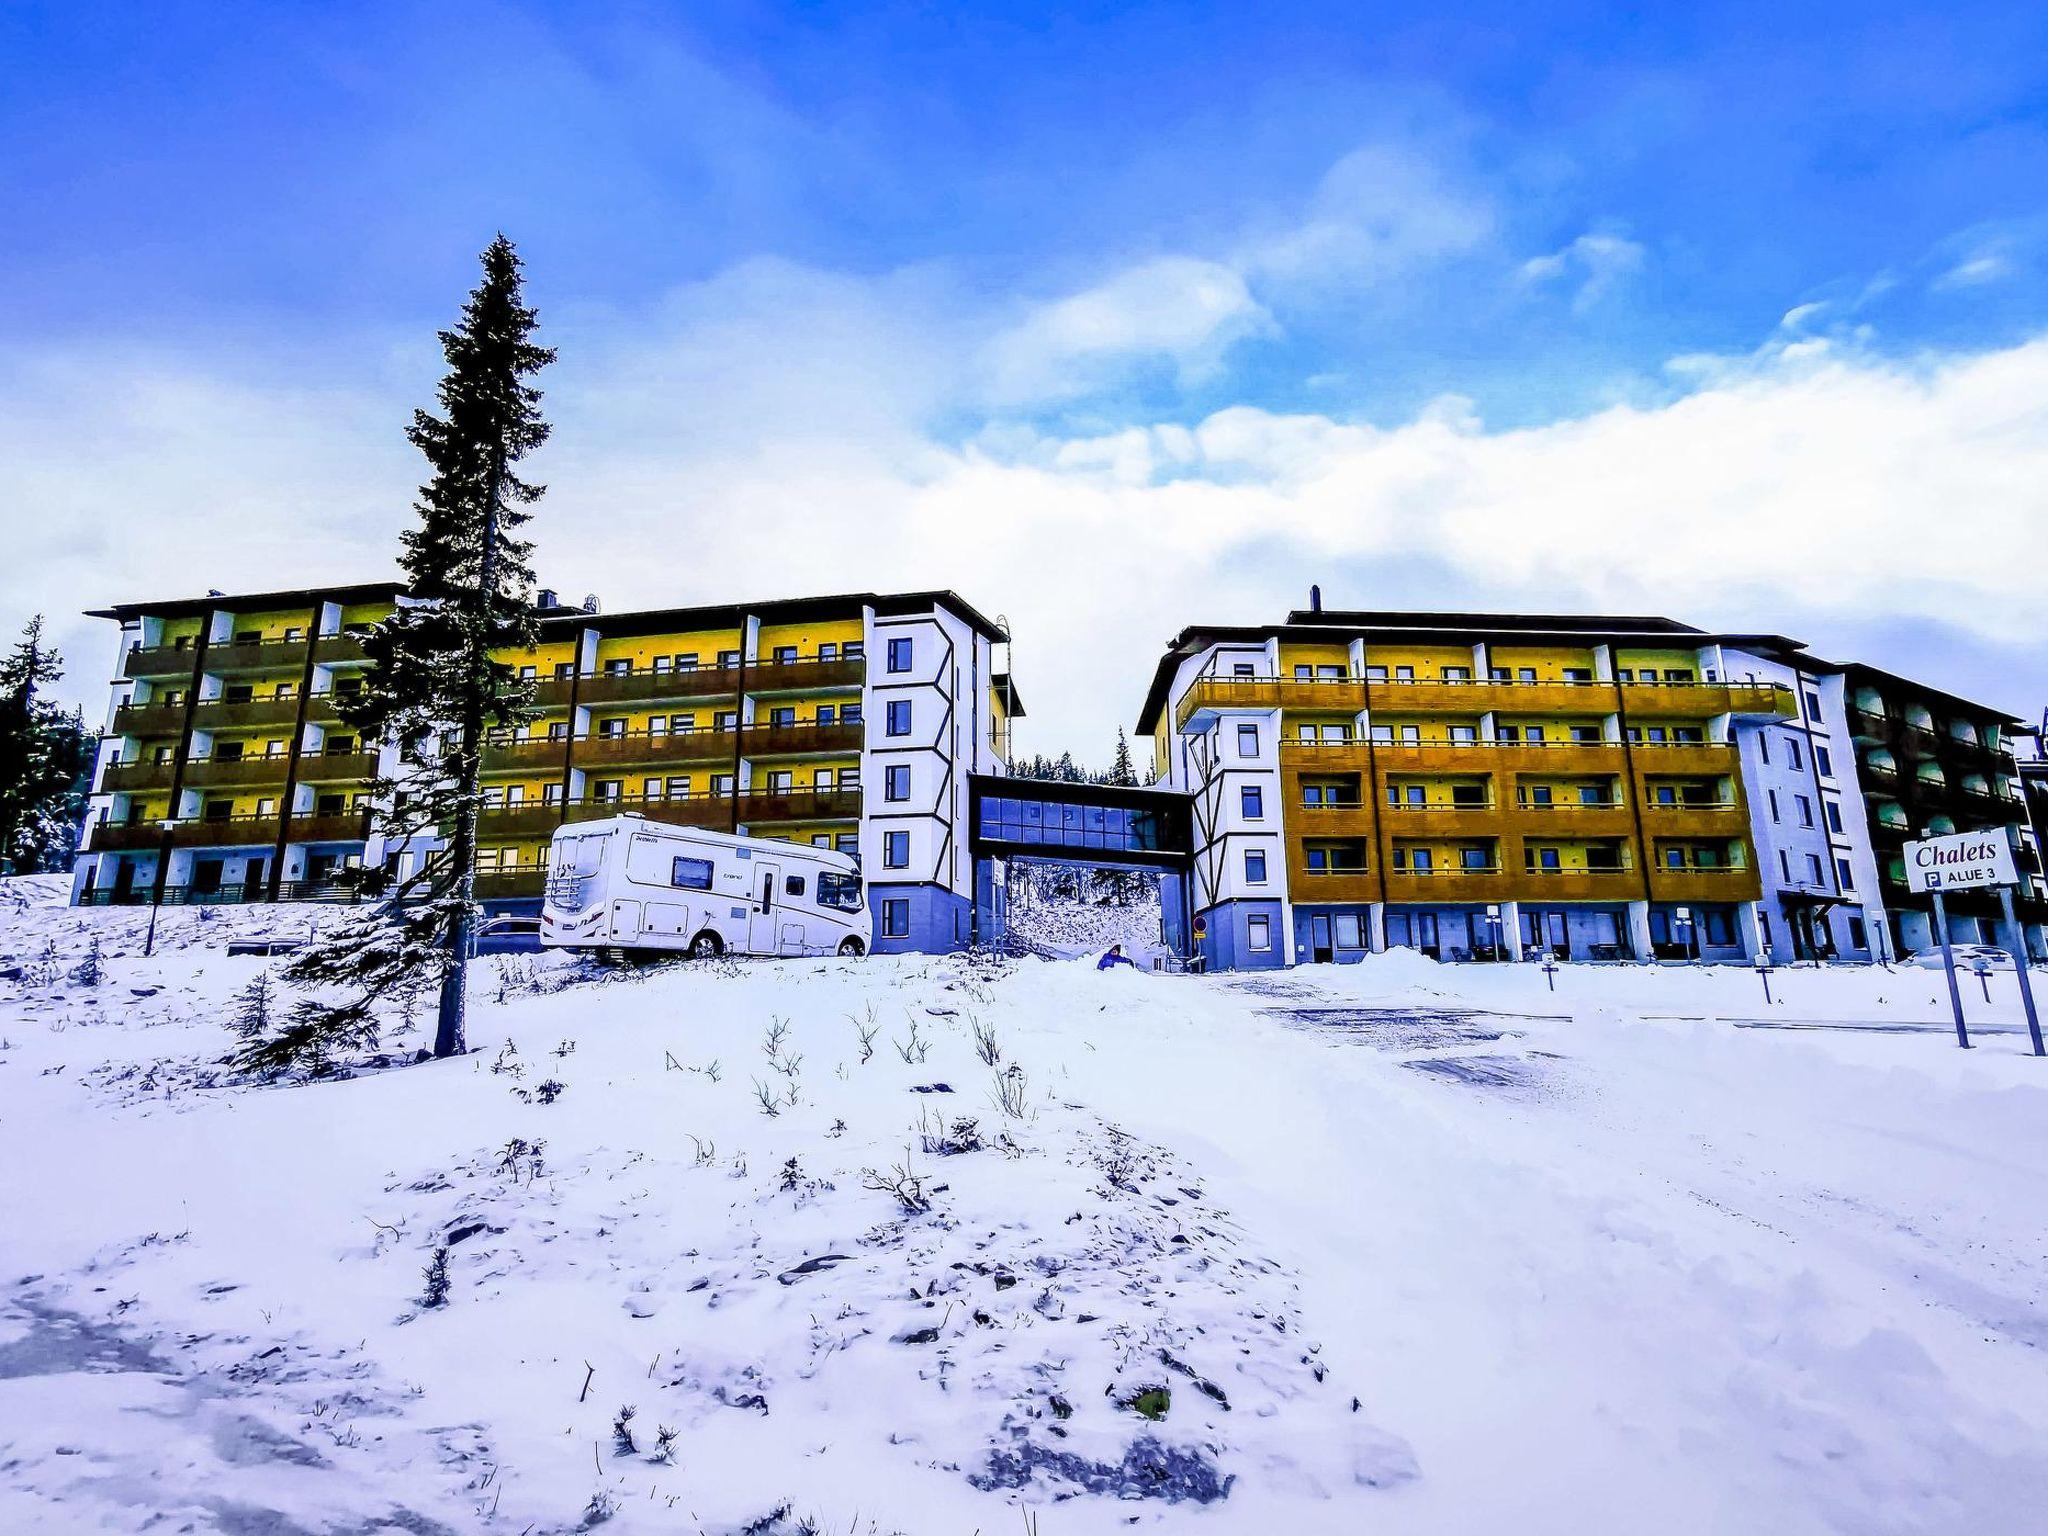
156	886
1493	931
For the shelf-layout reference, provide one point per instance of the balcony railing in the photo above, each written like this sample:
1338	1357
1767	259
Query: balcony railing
1479	695
653	747
800	805
224	895
802	740
764	675
228	831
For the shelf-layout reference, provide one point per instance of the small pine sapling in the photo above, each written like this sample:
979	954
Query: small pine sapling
255	1008
436	1294
90	971
622	1432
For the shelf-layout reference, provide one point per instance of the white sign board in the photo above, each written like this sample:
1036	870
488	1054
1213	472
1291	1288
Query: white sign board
1961	861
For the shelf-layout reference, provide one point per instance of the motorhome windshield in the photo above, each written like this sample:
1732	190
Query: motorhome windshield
837	890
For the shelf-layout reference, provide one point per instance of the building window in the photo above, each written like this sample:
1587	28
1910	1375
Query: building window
1258	934
1859	936
896	782
1812	705
1813	869
1792	758
1247	741
1785	865
896	850
899	717
1763	748
1842	874
1720	931
1823	762
1832	809
1251	800
899	654
896	918
1348	934
1254	867
1805	810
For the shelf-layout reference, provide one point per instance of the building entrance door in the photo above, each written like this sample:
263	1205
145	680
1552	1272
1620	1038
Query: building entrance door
1320	949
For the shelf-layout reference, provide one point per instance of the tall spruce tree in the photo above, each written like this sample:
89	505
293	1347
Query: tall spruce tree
434	691
45	756
1120	771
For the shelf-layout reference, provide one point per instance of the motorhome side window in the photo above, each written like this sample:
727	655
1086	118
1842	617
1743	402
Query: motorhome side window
837	890
792	885
691	874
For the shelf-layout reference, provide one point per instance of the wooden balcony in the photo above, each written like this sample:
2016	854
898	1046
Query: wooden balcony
529	821
1556	759
1410	887
1567	819
1444	821
1345	695
713	811
643	687
1318	822
1699	759
237	772
228	832
338	650
208	715
839	739
160	661
542	755
807	674
759	806
1721	818
256	656
1702	700
643	749
1539	885
1331	885
1718	883
1475	696
337	767
134	777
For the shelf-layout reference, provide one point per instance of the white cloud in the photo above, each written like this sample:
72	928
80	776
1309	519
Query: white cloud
772	432
1598	262
1173	309
1379	212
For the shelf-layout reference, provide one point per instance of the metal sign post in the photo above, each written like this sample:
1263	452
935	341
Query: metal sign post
1948	965
2019	964
1966	861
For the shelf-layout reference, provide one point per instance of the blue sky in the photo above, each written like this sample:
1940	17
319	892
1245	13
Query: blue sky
949	291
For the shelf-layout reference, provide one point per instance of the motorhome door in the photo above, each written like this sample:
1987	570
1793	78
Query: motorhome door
761	921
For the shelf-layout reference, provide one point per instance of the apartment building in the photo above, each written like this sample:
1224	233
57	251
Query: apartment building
1929	763
1511	786
848	721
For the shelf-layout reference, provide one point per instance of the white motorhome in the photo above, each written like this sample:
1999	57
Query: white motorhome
630	883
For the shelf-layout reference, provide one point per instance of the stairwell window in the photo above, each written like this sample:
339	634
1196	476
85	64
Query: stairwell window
1258	934
1254	867
1247	741
1251	801
896	782
899	717
1823	762
896	850
900	652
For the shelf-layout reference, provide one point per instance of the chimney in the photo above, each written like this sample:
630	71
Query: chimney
590	602
548	599
1315	599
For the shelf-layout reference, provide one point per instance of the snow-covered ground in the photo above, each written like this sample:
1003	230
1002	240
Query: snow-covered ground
1393	1248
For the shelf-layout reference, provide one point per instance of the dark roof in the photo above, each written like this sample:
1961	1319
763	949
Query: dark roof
792	610
358	592
788	610
1386	618
1006	690
1312	625
1893	685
